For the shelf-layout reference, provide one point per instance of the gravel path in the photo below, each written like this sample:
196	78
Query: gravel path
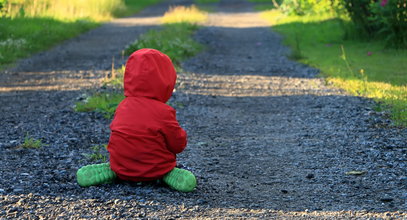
267	138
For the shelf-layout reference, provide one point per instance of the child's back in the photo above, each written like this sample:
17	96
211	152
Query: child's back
145	134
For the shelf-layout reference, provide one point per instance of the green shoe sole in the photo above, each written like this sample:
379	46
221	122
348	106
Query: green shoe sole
95	174
181	180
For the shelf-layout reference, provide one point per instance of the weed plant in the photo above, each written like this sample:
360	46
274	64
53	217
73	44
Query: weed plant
105	103
99	153
31	143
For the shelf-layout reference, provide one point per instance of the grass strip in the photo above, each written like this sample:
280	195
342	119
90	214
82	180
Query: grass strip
361	68
22	35
174	39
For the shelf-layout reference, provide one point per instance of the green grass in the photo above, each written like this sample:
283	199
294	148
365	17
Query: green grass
99	153
32	143
175	40
63	9
21	36
105	103
362	68
206	1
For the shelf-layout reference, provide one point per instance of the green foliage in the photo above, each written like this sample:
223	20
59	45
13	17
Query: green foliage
360	13
99	153
30	142
105	103
3	8
175	40
379	19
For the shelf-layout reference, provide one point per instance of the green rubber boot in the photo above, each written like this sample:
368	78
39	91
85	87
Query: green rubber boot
181	180
95	174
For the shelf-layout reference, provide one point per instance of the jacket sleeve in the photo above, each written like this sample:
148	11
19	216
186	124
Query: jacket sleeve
175	136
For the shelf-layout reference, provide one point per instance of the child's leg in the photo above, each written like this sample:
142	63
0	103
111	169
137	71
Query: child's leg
181	180
95	174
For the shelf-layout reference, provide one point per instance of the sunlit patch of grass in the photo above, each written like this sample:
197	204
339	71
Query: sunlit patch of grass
68	10
393	98
20	37
361	68
182	14
105	103
35	25
175	40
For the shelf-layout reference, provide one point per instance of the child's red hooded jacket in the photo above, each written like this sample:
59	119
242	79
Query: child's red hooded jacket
145	135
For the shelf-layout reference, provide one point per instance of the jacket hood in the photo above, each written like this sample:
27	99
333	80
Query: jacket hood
149	73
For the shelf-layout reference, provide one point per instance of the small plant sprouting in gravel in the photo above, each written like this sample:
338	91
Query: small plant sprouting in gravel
30	142
99	153
105	103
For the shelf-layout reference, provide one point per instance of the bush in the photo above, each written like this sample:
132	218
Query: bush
390	18
380	19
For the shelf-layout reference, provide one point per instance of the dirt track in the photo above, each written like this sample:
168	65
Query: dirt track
266	137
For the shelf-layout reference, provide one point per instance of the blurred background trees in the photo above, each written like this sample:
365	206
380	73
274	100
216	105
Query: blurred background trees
378	19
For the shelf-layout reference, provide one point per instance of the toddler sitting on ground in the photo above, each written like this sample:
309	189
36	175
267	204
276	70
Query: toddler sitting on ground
145	135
